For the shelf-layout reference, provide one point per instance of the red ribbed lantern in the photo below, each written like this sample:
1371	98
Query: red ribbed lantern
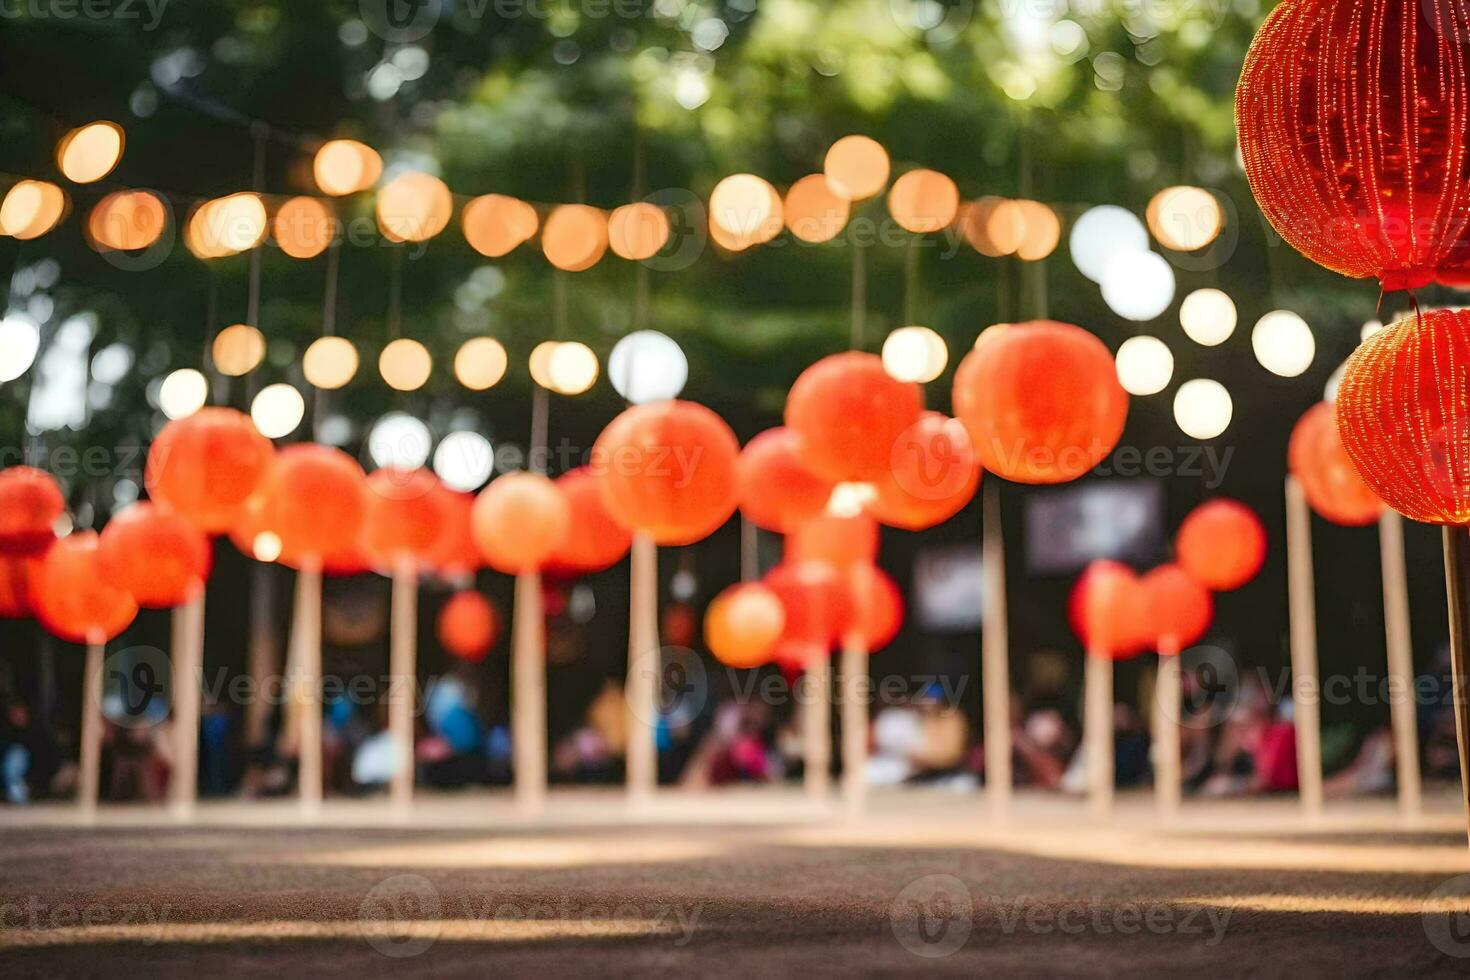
314	499
1222	543
933	474
468	626
155	554
1353	127
595	540
849	412
30	503
71	597
1403	420
1108	611
743	625
667	469
1041	401
15	587
405	517
1179	608
778	491
519	521
841	542
1329	481
206	467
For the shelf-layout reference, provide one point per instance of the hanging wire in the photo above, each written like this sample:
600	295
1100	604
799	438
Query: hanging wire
395	294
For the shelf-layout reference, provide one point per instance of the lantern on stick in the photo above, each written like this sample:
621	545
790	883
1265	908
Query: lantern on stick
30	505
1222	543
875	613
468	626
1178	612
594	541
743	625
932	476
849	412
75	602
778	491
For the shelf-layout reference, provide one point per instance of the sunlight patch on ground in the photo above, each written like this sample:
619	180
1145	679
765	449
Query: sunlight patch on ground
1349	904
517	852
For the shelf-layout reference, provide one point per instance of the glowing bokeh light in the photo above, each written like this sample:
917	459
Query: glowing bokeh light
1145	365
1283	343
647	366
1202	408
480	363
277	410
405	364
238	350
330	362
89	153
915	354
1207	316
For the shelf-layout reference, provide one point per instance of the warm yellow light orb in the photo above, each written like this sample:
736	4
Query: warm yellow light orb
227	226
304	227
183	393
1144	365
1207	316
480	363
923	201
637	231
1202	408
1283	343
277	410
574	237
540	363
346	167
238	350
494	224
915	354
413	207
1184	219
746	208
90	152
856	167
405	365
812	211
31	208
126	221
572	368
330	362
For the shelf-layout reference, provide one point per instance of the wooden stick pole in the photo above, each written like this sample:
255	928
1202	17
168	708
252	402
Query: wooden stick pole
855	724
1457	581
261	652
188	675
89	777
1097	731
309	688
1167	698
644	664
528	699
995	657
1402	703
816	728
1306	683
403	681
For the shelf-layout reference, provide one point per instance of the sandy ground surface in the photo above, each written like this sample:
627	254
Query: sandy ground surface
742	883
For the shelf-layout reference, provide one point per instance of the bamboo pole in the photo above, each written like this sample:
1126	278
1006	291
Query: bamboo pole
1305	680
403	681
854	724
1402	703
995	657
309	688
89	776
1457	582
816	728
1097	731
188	652
1167	698
528	700
641	694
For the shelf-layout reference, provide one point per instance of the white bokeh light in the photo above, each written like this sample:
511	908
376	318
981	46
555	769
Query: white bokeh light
464	461
915	354
1202	408
647	366
1334	381
400	440
1369	329
277	410
1283	343
20	339
183	393
1103	233
1208	317
1145	365
1138	285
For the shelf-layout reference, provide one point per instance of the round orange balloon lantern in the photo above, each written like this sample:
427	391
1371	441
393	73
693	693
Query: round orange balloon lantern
30	504
1179	608
934	474
1329	481
468	626
667	469
849	413
777	489
405	517
815	600
841	542
154	554
15	587
455	554
519	521
1408	439
875	606
1041	401
206	466
1222	544
315	501
743	625
72	599
1109	612
595	540
1352	120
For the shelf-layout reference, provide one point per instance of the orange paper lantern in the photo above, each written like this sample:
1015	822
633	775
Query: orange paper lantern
468	626
777	489
849	413
841	542
1041	401
1329	481
405	517
1109	611
206	466
1179	608
315	501
155	554
667	469
595	540
1400	416
1222	544
30	505
519	521
934	474
743	625
72	599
